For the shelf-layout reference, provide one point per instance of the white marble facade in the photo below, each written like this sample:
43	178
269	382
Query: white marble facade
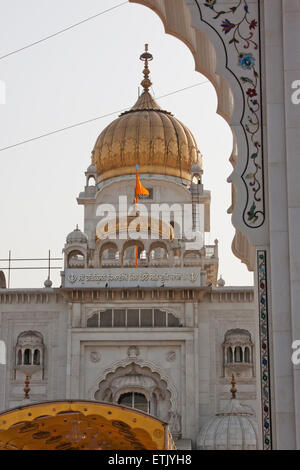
77	359
168	332
176	344
186	363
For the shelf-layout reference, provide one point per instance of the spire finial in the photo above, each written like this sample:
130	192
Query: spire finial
26	388
146	57
233	388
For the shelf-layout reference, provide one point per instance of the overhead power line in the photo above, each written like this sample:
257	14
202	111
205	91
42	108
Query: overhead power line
71	126
62	31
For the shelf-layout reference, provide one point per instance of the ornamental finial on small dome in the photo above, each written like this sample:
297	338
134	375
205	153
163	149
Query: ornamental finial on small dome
233	428
221	282
233	388
146	57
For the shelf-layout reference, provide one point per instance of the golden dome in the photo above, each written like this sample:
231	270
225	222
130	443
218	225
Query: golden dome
148	136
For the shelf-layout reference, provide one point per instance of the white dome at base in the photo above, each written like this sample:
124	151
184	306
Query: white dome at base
77	236
235	428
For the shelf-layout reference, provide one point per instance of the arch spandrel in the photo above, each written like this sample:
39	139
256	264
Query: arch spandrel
143	364
232	63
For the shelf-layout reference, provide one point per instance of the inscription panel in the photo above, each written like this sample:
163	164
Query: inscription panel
143	277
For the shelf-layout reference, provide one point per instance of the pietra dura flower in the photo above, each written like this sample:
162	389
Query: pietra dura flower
242	40
246	60
210	3
227	26
251	92
253	24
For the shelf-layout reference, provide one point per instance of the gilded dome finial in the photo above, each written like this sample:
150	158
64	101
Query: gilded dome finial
233	388
146	57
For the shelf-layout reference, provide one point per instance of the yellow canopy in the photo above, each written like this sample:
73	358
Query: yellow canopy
86	425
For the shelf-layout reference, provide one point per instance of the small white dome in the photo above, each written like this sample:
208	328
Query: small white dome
196	168
221	282
77	236
91	169
235	428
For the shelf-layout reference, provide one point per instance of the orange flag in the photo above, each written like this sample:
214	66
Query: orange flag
139	188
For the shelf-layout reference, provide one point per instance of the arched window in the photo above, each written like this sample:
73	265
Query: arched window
76	259
130	253
247	355
135	400
133	317
109	255
27	357
238	354
36	357
91	181
30	350
237	349
159	253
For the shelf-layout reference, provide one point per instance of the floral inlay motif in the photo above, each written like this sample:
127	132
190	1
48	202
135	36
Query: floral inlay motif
238	24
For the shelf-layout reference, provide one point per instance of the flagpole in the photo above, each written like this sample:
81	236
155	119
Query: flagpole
136	206
139	189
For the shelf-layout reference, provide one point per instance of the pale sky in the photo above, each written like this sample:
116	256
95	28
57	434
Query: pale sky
87	72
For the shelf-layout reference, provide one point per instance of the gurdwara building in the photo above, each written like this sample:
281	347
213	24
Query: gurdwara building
142	319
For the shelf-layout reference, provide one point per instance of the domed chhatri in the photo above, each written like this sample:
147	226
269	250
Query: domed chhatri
221	282
234	428
77	236
145	135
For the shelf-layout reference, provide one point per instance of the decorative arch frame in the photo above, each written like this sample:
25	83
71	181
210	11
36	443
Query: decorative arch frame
101	246
196	254
31	347
179	315
106	246
142	363
165	245
76	247
159	244
76	252
130	244
233	70
225	41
